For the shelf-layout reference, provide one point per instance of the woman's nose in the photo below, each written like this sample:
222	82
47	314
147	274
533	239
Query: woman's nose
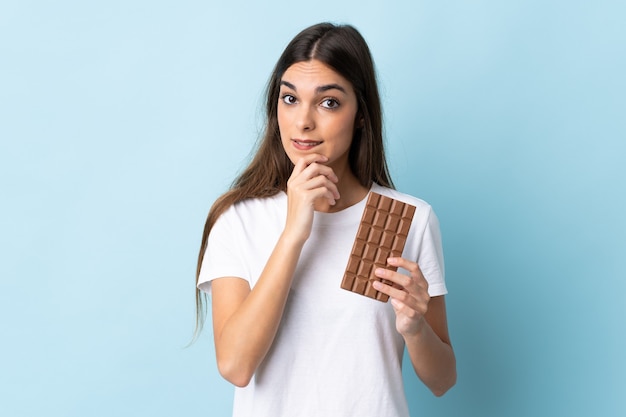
305	118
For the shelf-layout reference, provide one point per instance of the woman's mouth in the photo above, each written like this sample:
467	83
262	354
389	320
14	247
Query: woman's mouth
304	145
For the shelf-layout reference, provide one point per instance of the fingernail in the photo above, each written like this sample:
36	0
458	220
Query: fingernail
380	272
377	285
392	260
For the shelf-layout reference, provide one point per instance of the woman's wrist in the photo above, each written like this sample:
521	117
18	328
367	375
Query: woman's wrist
416	331
292	239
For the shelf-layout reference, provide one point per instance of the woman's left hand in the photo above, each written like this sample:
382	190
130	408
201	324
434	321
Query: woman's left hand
409	294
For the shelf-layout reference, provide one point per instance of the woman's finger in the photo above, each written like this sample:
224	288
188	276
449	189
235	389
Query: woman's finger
412	267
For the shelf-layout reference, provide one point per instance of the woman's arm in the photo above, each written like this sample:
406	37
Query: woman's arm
245	320
422	322
430	349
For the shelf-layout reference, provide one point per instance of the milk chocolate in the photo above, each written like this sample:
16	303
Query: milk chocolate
382	233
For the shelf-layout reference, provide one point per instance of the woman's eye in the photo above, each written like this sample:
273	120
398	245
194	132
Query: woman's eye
289	99
330	103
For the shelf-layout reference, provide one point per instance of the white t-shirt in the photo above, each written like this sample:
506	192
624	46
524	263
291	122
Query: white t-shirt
336	353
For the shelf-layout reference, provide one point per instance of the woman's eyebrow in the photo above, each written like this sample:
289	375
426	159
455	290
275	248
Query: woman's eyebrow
323	88
320	89
288	85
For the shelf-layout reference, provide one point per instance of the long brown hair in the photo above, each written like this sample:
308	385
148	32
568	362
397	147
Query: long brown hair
343	49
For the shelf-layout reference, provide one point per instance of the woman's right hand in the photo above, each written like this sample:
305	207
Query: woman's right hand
309	182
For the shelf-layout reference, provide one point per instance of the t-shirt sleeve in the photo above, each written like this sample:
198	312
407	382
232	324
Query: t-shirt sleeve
430	258
222	258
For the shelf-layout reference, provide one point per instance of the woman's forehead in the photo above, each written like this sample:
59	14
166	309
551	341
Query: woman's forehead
314	74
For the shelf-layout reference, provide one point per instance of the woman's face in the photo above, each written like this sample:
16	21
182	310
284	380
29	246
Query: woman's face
317	109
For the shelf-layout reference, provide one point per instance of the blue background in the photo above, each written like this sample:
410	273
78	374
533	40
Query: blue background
122	121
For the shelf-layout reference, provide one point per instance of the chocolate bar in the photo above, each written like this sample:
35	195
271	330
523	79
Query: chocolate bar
382	234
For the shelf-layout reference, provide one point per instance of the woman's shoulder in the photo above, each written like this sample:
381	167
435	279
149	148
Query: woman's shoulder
257	207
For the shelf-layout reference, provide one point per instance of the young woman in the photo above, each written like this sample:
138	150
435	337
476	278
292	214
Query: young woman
276	245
